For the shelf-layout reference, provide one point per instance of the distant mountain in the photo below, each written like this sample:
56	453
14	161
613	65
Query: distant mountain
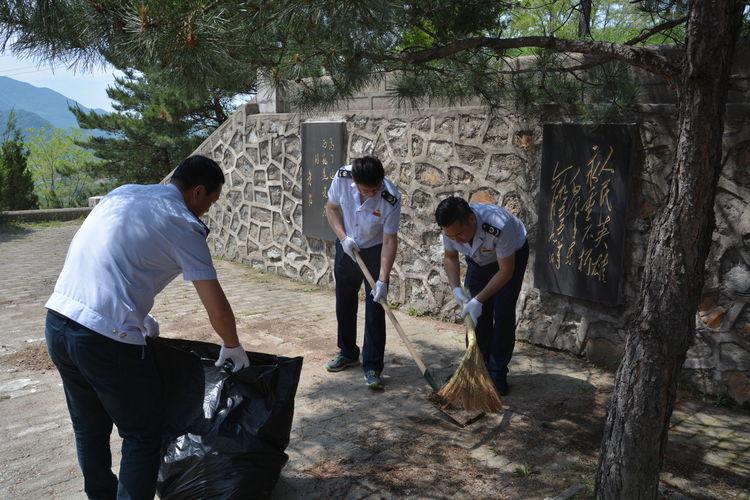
37	106
25	120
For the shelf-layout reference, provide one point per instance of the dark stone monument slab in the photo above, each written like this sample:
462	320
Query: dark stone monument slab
323	153
583	198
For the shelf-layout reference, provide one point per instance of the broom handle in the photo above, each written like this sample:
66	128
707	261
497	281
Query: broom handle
470	329
417	359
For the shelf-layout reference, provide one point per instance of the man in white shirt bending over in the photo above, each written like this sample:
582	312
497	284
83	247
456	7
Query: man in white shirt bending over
494	243
134	242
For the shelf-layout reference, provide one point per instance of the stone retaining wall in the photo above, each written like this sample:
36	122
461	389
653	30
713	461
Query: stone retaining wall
60	214
493	158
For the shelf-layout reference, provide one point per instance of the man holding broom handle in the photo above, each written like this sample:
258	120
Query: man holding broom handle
363	209
494	243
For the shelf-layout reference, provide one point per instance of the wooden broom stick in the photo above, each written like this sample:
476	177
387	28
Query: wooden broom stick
417	359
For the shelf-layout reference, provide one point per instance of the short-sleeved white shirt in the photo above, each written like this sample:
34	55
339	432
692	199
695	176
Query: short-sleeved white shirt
499	234
132	244
365	222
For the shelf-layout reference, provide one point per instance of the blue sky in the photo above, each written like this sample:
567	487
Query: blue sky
86	87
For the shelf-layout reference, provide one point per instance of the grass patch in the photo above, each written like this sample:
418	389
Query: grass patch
722	400
414	312
523	470
467	460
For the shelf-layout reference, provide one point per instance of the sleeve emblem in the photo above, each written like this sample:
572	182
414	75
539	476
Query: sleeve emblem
389	197
490	229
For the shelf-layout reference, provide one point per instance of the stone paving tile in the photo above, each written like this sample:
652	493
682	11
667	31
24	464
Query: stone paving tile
347	441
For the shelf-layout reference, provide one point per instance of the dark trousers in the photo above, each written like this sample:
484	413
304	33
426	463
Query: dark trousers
349	279
496	327
106	381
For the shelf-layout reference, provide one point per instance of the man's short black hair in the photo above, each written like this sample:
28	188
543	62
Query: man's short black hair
368	171
452	209
198	170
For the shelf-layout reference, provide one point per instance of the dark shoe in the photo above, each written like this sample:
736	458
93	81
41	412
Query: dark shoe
373	380
502	387
339	362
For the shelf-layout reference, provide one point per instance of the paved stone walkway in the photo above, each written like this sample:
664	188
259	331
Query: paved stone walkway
347	441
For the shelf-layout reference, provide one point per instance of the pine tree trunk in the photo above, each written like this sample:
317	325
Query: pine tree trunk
584	19
635	433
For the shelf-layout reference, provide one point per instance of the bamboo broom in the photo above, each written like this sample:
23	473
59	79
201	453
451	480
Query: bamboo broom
471	387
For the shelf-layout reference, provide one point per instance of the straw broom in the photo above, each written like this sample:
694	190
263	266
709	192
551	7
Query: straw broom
471	387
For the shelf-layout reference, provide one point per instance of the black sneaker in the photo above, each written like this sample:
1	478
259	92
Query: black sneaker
373	380
340	362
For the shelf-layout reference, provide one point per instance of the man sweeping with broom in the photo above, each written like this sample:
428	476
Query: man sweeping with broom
494	243
363	210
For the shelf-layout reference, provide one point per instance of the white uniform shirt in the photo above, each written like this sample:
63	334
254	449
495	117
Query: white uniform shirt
132	244
365	222
499	234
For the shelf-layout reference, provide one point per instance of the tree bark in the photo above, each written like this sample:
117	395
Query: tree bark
584	19
635	433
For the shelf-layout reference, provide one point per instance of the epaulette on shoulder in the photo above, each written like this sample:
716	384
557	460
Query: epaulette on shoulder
344	173
490	229
389	197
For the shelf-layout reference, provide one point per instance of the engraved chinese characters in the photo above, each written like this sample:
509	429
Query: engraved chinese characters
582	203
323	153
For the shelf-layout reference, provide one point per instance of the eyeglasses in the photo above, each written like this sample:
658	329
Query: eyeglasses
369	190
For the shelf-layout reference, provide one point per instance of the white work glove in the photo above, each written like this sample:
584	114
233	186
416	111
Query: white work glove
380	292
236	355
474	309
349	246
151	326
460	296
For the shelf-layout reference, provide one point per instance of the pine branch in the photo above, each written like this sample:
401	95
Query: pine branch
646	34
649	59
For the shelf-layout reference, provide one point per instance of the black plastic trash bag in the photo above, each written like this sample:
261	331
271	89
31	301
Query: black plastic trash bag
227	432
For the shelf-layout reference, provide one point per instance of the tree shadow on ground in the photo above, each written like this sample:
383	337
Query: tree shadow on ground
10	231
352	442
349	441
709	449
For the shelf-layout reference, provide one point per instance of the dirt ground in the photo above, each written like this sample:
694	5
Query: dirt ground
547	445
347	441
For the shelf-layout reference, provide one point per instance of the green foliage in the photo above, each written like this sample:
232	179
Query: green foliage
523	470
414	312
611	21
16	184
604	92
155	125
325	51
722	400
61	168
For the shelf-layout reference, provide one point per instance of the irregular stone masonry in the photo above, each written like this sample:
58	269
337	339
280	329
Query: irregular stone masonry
490	158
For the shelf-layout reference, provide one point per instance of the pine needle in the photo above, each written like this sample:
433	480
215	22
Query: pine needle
471	387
